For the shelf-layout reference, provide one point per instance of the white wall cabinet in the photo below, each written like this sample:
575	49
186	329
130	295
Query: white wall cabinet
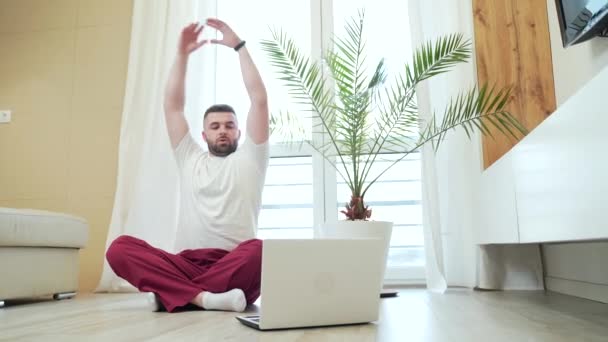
553	185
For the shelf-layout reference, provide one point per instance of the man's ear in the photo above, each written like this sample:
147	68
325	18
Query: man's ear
239	137
204	136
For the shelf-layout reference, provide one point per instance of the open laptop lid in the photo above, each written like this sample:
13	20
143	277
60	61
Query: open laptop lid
320	282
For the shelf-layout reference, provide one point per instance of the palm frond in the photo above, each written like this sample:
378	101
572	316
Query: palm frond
477	108
399	114
305	83
288	128
437	57
346	63
472	109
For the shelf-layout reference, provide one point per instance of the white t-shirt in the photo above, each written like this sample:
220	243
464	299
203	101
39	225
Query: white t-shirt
220	197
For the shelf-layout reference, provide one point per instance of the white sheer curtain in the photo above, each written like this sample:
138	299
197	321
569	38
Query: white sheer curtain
447	175
146	200
451	177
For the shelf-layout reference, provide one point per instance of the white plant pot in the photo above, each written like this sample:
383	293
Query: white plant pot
357	230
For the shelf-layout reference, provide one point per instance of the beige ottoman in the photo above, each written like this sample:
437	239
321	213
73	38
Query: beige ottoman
39	253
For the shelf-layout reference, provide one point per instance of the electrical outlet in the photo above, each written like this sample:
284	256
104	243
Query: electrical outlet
5	116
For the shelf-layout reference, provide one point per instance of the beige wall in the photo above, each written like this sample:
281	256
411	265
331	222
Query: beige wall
63	67
578	268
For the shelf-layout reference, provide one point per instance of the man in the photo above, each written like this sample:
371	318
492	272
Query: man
220	265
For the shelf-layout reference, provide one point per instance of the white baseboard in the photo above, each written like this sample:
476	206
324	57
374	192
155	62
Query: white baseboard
597	292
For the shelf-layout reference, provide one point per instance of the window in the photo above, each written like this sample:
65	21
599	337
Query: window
287	210
252	20
301	190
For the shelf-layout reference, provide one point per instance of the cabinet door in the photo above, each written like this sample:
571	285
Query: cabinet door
561	171
498	214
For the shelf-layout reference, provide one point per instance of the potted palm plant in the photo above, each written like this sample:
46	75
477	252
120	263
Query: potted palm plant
357	117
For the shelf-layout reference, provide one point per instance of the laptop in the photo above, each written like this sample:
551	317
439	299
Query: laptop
318	282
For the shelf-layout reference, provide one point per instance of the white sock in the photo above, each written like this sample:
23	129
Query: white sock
233	300
153	301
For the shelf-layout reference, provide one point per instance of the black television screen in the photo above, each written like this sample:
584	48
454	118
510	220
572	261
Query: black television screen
581	20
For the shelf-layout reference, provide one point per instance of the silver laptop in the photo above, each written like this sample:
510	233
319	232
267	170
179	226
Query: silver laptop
318	282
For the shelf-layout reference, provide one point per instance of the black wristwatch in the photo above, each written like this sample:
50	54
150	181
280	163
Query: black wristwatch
239	45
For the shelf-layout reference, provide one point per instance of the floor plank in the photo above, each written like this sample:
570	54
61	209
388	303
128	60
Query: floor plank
415	315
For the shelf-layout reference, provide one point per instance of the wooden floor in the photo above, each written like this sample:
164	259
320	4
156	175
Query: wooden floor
416	315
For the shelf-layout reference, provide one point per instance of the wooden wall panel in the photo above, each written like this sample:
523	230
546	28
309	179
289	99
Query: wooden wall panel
512	47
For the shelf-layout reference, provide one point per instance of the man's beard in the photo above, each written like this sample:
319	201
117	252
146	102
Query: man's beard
222	150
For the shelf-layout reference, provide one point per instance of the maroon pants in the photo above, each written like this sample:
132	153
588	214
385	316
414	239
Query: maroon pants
177	278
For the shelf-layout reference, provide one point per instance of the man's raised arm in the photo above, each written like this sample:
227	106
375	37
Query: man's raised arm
258	118
175	90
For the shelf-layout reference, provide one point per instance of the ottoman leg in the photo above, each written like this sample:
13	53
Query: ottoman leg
63	295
